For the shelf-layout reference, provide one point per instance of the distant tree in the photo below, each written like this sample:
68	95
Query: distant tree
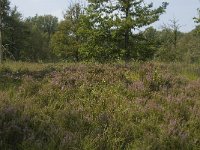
38	31
35	46
47	24
197	19
148	44
189	45
169	38
66	41
173	27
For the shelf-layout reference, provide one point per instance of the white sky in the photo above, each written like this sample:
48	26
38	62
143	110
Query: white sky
183	10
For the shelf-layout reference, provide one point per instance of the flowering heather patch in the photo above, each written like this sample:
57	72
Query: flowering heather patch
100	106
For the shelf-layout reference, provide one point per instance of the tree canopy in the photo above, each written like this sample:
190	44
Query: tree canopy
100	31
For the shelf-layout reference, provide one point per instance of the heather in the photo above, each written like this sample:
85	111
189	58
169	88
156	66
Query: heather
139	105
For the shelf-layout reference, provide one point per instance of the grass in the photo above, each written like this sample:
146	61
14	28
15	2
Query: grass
91	106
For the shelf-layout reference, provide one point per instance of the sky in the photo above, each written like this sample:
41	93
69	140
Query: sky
182	10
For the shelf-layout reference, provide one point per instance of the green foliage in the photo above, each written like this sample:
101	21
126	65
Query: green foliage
39	30
197	19
26	39
98	42
47	24
102	31
146	44
188	48
108	34
12	31
66	42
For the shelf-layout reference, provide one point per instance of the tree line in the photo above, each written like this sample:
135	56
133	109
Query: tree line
101	31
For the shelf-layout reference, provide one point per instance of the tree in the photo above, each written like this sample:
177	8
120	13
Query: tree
47	24
99	41
169	37
4	9
35	45
13	34
189	45
197	19
173	27
124	16
38	31
11	30
148	44
66	41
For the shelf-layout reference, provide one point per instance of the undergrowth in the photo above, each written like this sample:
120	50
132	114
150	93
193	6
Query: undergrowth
99	106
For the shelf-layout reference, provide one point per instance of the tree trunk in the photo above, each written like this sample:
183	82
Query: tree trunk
126	46
1	48
175	38
126	40
77	55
